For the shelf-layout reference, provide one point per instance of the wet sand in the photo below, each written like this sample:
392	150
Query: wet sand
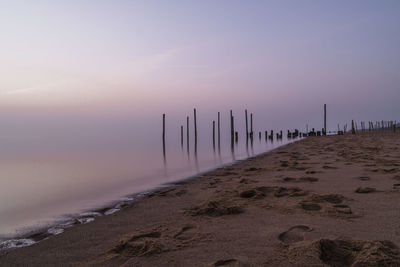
323	201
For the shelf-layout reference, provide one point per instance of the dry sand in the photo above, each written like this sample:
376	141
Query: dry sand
323	201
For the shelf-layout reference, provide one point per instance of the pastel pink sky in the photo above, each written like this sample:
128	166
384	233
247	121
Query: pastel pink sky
135	58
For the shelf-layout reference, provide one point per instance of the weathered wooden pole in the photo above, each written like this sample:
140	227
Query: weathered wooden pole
251	125
232	130
247	127
353	130
232	133
181	135
195	125
236	137
219	133
214	135
187	132
163	128
163	136
324	119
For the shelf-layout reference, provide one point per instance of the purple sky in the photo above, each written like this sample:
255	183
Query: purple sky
281	59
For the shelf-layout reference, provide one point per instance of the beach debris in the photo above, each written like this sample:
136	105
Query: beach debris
365	190
294	234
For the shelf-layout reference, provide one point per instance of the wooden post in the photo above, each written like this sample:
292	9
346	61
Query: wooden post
247	127
181	135
214	135
251	125
232	133
324	119
195	125
353	130
163	136
236	137
163	128
219	133
187	132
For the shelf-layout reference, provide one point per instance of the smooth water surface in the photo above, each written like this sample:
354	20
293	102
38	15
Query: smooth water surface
51	171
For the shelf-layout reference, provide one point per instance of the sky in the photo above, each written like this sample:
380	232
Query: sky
64	61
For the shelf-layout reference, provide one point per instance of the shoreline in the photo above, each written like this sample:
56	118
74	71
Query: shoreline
305	203
35	234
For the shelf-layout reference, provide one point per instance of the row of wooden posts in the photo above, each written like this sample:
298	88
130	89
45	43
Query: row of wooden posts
372	126
216	130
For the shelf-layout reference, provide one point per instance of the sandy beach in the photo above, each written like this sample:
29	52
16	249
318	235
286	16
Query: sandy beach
322	201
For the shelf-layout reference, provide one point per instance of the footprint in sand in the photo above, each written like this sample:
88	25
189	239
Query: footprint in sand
341	252
364	178
396	177
396	186
140	245
329	167
340	208
294	234
186	233
365	190
216	209
227	262
310	206
301	179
